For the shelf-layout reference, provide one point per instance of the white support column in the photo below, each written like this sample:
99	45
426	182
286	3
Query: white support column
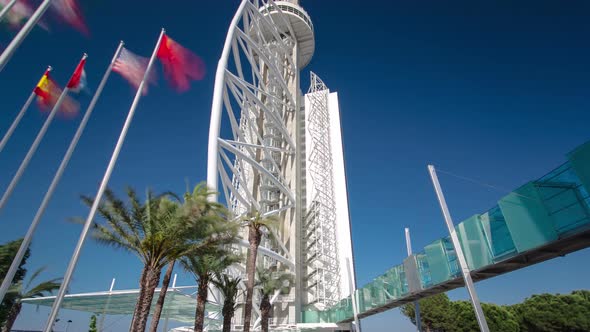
106	307
481	319
416	303
355	310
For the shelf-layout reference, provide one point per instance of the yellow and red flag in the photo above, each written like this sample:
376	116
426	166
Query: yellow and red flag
48	92
180	65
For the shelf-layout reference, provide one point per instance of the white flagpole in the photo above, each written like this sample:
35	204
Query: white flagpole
6	9
57	177
103	185
479	314
33	147
20	115
22	34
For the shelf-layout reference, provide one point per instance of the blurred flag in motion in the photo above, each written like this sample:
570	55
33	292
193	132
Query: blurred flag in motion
48	92
19	13
78	80
132	67
180	65
69	12
45	90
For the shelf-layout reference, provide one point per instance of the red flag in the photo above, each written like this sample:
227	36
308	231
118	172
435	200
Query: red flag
69	12
180	65
76	83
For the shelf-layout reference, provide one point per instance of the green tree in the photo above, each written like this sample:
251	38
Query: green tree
92	325
146	229
435	312
271	281
499	318
202	225
229	288
438	313
18	292
256	224
7	253
204	267
553	313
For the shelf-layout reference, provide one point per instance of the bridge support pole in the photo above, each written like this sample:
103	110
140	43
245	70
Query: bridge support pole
355	310
481	319
416	303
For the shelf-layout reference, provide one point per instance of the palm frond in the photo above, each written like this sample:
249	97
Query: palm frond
270	280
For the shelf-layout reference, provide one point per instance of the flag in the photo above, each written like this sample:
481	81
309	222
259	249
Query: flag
180	65
69	12
48	92
132	67
20	12
78	80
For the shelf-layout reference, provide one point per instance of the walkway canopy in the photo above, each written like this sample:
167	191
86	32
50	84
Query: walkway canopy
178	306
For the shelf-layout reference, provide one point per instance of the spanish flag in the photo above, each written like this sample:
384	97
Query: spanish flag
47	91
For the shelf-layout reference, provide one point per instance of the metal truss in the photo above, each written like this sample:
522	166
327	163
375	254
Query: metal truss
320	223
256	94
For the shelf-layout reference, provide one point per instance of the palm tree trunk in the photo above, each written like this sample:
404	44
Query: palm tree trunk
228	314
12	315
140	297
161	298
202	293
151	281
265	307
254	237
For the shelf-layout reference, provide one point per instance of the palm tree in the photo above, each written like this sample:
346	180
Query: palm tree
204	267
229	287
256	224
149	230
7	253
18	292
270	281
204	226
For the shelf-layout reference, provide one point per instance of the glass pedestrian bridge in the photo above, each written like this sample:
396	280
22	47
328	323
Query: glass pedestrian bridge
543	219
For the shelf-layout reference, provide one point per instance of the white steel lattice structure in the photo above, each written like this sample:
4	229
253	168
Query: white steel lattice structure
257	155
323	270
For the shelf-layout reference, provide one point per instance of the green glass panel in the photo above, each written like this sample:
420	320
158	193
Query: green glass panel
527	218
396	284
437	261
497	234
423	270
311	316
474	243
565	204
579	160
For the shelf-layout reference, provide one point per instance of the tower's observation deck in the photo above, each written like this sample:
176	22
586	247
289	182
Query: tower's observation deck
300	27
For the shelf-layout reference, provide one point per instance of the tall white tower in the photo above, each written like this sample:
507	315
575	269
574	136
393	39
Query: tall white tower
273	150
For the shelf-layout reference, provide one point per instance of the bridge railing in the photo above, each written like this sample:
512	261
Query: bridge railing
540	212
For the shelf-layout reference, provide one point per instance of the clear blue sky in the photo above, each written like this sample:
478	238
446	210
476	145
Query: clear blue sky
495	91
